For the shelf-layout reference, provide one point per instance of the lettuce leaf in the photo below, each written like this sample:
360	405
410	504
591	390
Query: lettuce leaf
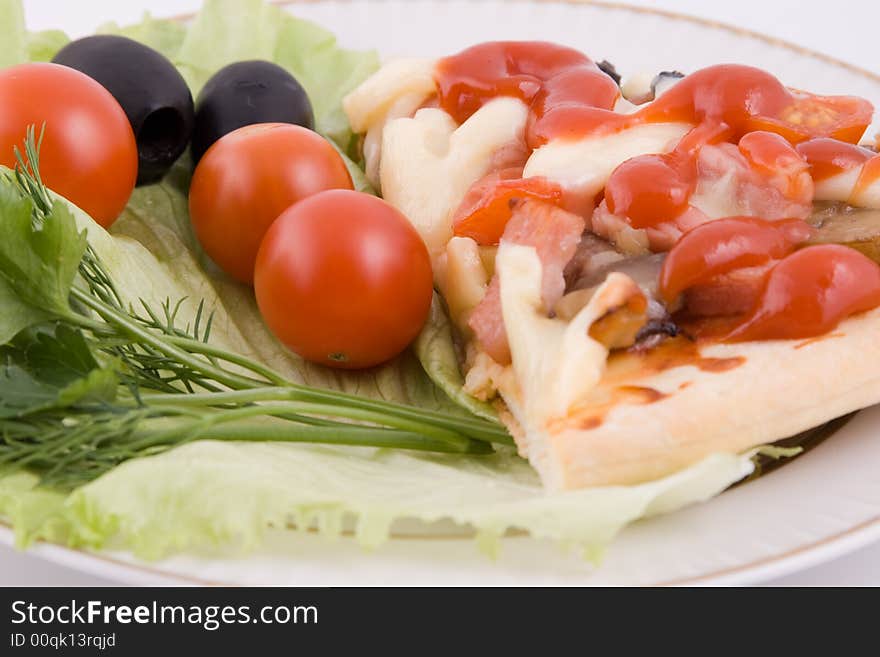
19	45
13	34
166	36
358	177
42	46
37	514
436	352
217	495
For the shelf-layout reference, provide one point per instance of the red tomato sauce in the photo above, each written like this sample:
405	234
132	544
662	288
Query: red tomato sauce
570	97
562	86
830	157
719	247
810	292
652	189
649	190
804	293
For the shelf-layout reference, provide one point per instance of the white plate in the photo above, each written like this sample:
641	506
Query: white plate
820	506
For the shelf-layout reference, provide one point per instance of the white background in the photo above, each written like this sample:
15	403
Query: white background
846	29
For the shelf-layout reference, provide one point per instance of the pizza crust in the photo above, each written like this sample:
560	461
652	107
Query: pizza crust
780	389
588	419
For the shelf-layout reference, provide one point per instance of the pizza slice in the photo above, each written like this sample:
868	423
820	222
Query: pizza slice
637	286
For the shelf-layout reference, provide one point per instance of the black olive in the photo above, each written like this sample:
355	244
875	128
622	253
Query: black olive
608	69
153	94
245	93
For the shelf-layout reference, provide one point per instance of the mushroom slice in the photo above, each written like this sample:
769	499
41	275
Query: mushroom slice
619	327
859	228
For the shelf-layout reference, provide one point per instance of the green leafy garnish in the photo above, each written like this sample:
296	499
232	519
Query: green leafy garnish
436	351
97	383
19	45
165	36
43	46
39	262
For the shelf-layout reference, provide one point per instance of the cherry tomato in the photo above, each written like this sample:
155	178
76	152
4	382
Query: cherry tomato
840	117
343	279
248	178
89	154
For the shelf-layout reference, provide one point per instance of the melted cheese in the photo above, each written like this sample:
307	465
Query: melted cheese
842	188
637	87
462	279
428	163
405	105
369	104
583	166
839	187
556	362
869	197
718	198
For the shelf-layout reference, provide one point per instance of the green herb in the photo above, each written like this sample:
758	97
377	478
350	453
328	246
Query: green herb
89	383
